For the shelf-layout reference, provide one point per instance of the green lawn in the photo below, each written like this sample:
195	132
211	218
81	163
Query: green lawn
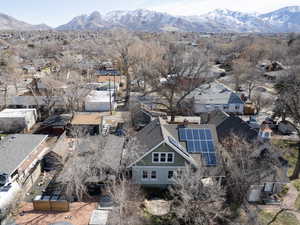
290	152
285	218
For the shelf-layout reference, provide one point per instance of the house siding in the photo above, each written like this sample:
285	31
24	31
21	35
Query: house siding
147	160
161	169
162	179
204	108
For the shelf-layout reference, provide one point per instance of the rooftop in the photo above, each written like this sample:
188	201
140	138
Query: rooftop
107	72
86	119
15	148
16	112
215	93
231	125
57	120
158	131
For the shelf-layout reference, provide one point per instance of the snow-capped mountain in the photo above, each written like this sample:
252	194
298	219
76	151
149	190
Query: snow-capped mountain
10	23
144	20
221	20
284	20
232	21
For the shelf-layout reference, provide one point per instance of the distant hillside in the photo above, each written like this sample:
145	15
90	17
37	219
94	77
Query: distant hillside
10	23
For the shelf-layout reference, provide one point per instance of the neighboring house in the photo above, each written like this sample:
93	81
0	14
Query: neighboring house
164	150
104	86
210	97
20	160
228	125
100	101
29	101
112	79
55	125
17	120
109	72
87	123
49	83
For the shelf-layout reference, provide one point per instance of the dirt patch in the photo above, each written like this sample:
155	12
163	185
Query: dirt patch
79	214
158	207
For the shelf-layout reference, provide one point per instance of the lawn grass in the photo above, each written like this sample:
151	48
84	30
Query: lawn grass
285	218
290	153
297	203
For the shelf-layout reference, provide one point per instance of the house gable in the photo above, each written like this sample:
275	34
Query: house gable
147	160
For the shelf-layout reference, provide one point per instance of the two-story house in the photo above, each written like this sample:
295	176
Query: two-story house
166	149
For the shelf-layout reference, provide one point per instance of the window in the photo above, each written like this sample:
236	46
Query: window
155	157
237	107
170	174
225	107
170	158
179	174
153	175
145	174
161	157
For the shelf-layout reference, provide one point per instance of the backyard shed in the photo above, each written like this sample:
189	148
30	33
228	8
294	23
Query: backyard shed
16	120
86	122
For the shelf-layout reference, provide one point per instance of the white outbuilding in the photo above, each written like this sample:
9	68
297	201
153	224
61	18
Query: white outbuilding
100	101
16	120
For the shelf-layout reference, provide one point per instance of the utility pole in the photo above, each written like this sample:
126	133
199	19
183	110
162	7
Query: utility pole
109	96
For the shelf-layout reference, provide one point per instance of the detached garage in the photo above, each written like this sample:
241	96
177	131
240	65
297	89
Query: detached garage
16	120
100	101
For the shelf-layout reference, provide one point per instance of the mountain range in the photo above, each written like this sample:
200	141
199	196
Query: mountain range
10	23
221	20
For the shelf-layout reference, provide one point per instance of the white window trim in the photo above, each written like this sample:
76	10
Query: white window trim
151	175
159	157
172	176
142	175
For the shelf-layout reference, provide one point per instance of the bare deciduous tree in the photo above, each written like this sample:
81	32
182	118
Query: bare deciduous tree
128	199
179	72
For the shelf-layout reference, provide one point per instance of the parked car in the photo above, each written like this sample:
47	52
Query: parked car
3	179
271	123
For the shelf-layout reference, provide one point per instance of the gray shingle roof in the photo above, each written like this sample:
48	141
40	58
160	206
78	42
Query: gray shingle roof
215	93
231	125
15	148
219	98
150	136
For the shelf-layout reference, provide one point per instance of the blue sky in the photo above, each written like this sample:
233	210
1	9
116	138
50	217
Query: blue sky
57	12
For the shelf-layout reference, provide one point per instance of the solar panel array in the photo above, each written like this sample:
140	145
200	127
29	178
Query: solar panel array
199	141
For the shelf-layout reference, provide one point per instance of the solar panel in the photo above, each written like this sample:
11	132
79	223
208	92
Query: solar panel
210	159
182	134
199	141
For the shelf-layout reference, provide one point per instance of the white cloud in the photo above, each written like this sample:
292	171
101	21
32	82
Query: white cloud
196	7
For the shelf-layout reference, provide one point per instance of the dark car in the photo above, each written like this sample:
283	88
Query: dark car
3	179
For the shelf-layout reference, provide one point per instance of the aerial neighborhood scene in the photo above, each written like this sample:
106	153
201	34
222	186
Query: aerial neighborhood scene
175	112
